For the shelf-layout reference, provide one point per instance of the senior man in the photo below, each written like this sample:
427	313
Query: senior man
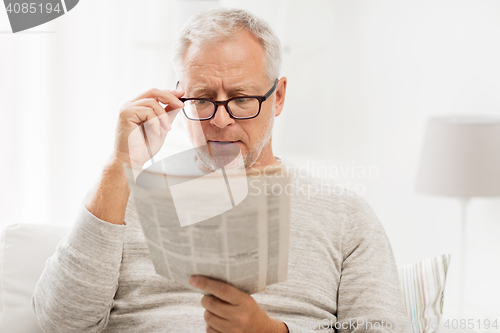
342	275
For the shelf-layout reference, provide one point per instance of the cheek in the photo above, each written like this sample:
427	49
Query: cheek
257	130
195	132
265	121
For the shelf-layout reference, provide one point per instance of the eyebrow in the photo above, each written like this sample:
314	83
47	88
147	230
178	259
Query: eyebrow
204	89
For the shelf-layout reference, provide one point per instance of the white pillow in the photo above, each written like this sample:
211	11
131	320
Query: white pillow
24	249
423	284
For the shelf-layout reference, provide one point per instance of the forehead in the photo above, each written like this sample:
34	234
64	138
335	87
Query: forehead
239	61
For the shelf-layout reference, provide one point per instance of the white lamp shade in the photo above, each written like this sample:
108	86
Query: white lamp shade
461	157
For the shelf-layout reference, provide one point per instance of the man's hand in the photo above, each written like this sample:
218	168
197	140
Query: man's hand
144	116
231	310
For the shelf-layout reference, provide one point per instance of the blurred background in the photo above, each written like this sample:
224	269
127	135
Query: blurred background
364	77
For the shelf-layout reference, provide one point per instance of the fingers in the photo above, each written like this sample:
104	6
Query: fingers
172	107
168	97
163	117
219	289
215	323
211	329
144	122
145	114
217	306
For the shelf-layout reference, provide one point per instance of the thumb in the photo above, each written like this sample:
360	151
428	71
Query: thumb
176	93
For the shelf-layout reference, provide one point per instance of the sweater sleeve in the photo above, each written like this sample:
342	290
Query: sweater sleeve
76	289
294	329
369	295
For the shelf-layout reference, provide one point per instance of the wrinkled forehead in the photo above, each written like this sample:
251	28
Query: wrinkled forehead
236	62
201	87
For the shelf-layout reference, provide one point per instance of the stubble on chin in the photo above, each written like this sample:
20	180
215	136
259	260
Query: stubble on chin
228	162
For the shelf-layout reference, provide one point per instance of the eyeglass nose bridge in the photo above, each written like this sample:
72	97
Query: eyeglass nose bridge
226	106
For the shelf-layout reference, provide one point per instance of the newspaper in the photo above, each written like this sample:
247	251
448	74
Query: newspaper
226	225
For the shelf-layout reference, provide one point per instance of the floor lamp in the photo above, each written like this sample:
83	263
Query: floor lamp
461	158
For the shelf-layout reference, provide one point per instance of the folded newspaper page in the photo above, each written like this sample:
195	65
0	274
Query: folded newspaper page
228	225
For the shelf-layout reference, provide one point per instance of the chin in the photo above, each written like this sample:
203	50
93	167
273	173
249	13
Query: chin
237	163
226	161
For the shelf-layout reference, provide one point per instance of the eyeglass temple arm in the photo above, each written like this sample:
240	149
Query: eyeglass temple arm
176	88
272	90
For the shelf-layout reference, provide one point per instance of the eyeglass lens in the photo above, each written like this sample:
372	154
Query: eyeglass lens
241	107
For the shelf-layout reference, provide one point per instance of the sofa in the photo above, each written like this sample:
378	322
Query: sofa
24	249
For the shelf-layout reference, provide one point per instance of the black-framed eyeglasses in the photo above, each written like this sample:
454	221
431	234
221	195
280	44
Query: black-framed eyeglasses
242	107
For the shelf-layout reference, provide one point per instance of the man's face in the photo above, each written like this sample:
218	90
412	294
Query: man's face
220	71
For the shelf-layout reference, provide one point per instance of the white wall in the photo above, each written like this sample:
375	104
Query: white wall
363	78
380	69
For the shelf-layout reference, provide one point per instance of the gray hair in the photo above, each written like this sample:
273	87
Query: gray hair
220	24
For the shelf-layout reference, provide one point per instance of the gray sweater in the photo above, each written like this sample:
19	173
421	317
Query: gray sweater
341	274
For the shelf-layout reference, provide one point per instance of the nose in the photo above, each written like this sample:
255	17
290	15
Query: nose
221	118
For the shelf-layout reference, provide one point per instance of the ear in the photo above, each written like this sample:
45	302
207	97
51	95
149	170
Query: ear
280	95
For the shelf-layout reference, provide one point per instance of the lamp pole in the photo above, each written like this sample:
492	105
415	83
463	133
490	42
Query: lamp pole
463	238
460	158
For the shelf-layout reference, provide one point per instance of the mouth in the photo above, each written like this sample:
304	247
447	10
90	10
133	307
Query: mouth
217	148
221	142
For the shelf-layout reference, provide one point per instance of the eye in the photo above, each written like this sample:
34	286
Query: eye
242	100
200	102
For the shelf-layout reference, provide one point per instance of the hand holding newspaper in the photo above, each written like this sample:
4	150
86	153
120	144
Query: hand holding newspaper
228	225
